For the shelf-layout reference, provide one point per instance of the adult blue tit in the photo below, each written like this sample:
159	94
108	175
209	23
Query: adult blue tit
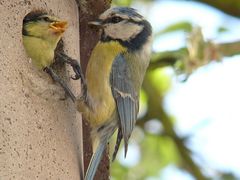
41	34
114	76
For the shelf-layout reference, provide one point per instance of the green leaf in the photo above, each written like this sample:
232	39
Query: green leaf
122	2
179	26
161	80
222	29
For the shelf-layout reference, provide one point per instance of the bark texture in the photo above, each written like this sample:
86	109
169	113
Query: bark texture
40	133
90	10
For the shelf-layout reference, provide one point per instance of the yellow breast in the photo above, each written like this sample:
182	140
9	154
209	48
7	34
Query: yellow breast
40	51
97	76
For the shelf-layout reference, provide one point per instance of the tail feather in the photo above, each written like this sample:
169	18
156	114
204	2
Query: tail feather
125	146
95	160
118	142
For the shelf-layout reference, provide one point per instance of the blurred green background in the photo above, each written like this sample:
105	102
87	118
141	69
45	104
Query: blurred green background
188	125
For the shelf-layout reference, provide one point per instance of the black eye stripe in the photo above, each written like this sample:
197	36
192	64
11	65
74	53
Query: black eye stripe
114	20
118	19
45	18
34	16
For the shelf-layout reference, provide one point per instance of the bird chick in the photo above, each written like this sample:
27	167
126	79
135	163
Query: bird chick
41	34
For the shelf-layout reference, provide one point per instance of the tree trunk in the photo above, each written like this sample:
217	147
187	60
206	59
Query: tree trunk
90	10
40	136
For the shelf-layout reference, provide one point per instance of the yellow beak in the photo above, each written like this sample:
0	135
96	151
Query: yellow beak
58	26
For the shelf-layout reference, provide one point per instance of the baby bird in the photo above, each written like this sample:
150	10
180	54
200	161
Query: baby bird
41	34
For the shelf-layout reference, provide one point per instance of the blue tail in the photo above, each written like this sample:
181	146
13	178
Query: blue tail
95	160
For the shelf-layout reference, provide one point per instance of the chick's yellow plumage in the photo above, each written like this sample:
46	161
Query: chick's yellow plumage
41	33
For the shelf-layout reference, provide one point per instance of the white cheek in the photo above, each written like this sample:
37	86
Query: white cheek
123	31
112	31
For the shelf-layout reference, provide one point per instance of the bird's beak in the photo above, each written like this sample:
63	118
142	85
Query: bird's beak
98	23
59	26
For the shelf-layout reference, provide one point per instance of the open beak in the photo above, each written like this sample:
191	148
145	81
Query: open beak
98	23
59	26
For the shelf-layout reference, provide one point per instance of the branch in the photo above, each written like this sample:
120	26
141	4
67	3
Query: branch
213	51
229	49
167	58
89	10
230	7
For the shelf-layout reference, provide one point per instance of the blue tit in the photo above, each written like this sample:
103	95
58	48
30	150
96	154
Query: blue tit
41	34
114	76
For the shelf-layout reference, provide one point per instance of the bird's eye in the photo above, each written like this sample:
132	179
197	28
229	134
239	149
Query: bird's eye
46	19
116	19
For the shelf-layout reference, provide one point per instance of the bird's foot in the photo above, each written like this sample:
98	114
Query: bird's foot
75	65
56	78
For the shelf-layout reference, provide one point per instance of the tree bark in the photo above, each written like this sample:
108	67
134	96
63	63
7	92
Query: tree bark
40	133
90	10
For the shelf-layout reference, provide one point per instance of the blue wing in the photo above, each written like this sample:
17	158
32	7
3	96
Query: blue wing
126	98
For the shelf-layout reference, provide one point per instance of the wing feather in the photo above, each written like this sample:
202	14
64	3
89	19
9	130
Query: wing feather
126	98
